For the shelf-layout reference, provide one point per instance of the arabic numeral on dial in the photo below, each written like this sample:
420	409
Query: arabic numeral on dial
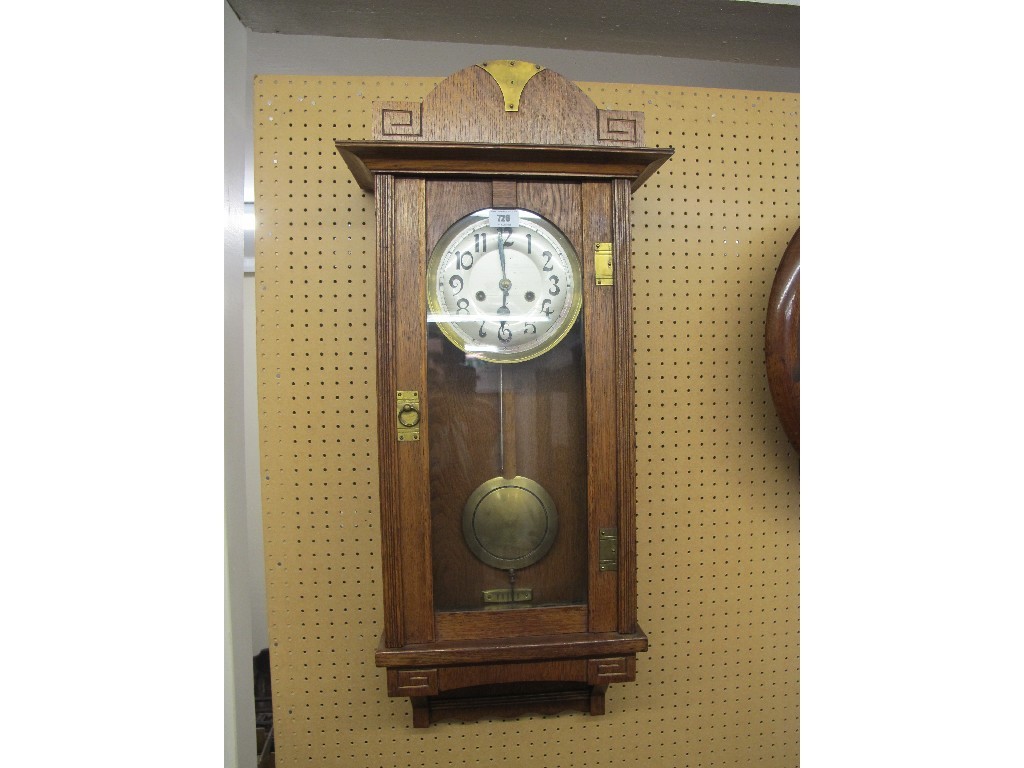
555	290
529	243
461	260
504	332
462	305
480	242
530	327
547	264
456	282
545	307
483	333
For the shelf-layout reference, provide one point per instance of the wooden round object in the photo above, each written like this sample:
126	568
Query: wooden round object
782	341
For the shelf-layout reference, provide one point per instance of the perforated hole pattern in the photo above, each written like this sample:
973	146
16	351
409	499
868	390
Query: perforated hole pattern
718	483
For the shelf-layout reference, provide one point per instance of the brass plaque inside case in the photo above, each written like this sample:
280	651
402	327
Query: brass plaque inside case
510	523
517	595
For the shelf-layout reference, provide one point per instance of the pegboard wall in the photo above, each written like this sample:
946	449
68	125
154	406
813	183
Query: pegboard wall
717	481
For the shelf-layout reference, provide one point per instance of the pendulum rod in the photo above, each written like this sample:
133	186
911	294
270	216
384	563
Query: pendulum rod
501	418
507	431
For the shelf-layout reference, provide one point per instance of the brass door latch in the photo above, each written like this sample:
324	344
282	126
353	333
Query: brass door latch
408	415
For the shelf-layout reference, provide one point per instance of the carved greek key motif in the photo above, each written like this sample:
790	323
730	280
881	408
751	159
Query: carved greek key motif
619	669
399	119
615	125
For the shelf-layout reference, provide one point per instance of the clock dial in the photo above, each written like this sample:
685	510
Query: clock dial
504	285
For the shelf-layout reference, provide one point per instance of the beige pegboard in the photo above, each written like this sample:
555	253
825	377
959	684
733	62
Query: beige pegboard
718	483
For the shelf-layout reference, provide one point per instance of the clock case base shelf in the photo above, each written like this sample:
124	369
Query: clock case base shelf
476	679
491	702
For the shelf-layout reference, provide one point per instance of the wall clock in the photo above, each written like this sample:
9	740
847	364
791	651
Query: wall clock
505	392
782	341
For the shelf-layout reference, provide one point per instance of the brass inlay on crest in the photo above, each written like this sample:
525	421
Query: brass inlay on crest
511	77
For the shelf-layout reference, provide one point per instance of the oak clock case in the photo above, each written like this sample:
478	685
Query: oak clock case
505	411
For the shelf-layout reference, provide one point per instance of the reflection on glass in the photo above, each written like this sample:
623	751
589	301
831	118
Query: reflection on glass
507	477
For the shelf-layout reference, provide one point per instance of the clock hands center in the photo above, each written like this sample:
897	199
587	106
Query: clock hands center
504	285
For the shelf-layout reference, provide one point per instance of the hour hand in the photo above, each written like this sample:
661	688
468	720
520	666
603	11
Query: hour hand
501	254
504	285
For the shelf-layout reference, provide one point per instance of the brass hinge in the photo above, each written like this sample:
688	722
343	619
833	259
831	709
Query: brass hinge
603	263
608	557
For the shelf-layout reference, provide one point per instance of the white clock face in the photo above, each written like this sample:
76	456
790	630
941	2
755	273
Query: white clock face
504	285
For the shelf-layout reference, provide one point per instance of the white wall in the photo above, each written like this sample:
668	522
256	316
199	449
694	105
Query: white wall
239	704
310	55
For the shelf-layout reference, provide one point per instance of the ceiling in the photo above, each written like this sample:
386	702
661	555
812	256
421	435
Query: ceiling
766	33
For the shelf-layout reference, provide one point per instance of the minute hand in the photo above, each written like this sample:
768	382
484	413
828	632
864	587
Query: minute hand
501	253
504	285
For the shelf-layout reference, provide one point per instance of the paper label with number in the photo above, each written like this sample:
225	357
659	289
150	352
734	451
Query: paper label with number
499	218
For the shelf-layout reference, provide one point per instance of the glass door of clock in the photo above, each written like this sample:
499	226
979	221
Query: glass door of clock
507	441
507	477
